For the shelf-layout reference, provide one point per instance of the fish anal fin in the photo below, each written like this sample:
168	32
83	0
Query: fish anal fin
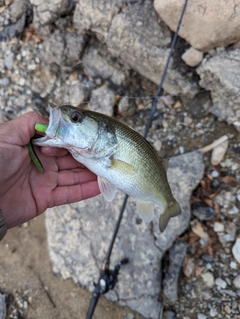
145	210
123	167
165	161
171	211
107	189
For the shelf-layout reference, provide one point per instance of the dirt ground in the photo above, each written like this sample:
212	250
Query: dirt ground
33	291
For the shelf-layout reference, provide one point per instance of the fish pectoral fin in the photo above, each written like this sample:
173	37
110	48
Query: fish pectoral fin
107	189
123	167
145	210
171	211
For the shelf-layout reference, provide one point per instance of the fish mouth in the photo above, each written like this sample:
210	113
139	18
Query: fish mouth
52	130
54	121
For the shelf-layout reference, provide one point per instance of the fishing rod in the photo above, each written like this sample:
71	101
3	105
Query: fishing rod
108	277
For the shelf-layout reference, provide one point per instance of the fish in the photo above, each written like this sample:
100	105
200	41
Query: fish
121	158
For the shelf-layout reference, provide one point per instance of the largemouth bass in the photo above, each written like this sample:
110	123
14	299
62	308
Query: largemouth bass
120	157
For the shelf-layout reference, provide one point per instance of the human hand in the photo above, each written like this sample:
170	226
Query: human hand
24	192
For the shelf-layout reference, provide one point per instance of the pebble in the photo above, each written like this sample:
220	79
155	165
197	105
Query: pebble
208	279
8	61
221	283
236	282
5	81
215	174
218	227
192	57
213	312
199	230
227	309
158	145
207	258
203	212
236	250
130	315
201	316
234	210
218	153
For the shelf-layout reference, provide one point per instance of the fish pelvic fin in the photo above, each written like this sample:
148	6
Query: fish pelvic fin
145	210
172	210
106	188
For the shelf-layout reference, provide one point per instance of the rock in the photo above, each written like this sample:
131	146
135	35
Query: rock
201	316
170	283
221	73
14	20
206	24
142	46
47	12
218	227
135	42
98	64
77	250
213	312
188	267
62	50
208	279
236	250
3	310
169	315
218	153
157	145
236	282
221	283
234	210
8	61
192	57
199	105
103	100
75	94
126	107
198	229
203	212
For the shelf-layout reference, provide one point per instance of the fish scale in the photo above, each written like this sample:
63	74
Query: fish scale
120	157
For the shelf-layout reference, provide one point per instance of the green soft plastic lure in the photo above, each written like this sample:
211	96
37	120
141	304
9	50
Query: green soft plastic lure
40	127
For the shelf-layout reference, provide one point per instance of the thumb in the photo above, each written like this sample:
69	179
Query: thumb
20	130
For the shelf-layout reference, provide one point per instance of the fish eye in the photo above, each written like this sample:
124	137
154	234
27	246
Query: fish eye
76	117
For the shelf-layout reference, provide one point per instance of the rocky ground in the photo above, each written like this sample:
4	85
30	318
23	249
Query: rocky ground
209	248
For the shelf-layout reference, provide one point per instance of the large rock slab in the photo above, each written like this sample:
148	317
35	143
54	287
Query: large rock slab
79	235
206	24
220	75
136	43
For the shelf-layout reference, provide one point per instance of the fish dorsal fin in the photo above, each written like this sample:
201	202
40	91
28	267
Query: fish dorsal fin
123	167
107	189
165	161
145	210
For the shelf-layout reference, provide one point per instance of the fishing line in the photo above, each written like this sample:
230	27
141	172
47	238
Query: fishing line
108	278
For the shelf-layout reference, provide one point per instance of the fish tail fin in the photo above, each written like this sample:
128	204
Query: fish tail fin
171	211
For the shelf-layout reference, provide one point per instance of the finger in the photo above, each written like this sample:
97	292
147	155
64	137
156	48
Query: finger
80	176
70	194
54	151
68	162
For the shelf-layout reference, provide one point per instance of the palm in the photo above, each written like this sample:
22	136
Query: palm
26	193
